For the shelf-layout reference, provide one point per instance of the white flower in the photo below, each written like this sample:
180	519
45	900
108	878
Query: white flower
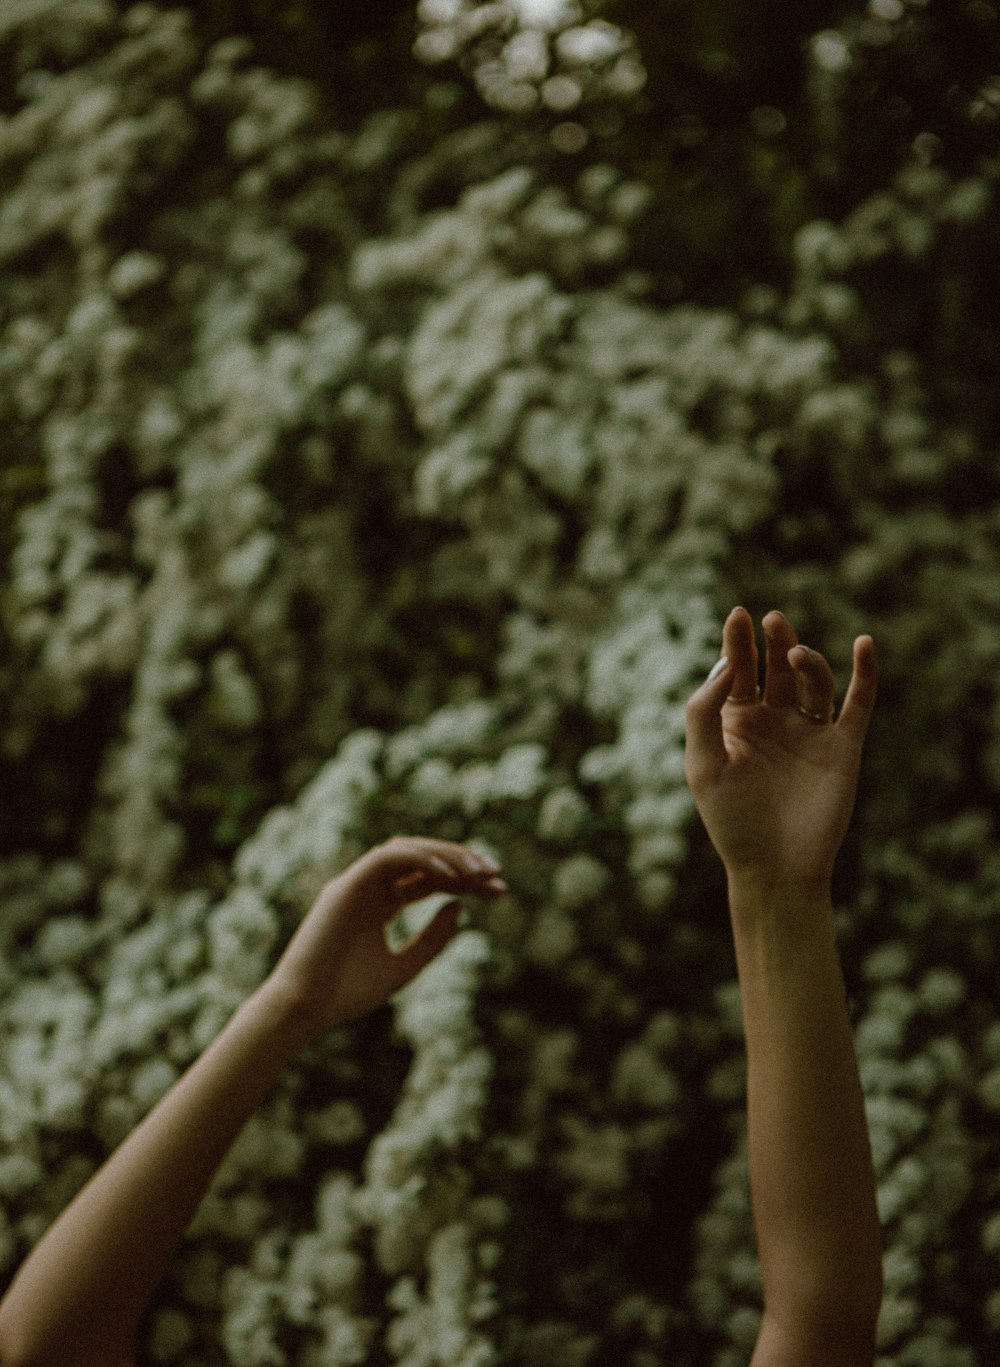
580	879
236	700
19	1172
830	51
590	44
172	1333
133	271
341	1122
547	14
941	990
519	772
561	814
554	937
64	940
640	1076
346	1339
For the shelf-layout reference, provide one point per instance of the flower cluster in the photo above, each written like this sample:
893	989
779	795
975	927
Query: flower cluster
531	54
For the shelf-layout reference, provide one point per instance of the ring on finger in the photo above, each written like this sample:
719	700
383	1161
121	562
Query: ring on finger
816	716
745	697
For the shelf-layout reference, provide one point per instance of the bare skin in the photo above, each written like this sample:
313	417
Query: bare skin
79	1296
774	778
775	789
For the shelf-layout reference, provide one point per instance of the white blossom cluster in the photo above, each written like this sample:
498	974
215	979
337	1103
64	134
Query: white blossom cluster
242	459
526	55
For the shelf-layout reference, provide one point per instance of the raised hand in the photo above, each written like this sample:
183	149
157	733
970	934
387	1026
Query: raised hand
79	1298
774	776
338	964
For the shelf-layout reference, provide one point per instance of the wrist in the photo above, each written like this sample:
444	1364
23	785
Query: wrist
284	1016
783	933
757	892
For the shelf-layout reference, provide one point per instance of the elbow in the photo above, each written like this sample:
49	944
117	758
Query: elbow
16	1357
19	1348
13	1352
875	1295
19	1343
831	1319
13	1355
21	1337
861	1301
843	1329
852	1312
16	1351
842	1287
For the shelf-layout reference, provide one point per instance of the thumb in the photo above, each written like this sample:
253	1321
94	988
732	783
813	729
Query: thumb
858	705
705	748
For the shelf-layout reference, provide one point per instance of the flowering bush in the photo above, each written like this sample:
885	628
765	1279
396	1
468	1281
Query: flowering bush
326	523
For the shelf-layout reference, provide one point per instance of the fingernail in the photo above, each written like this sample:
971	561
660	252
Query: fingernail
718	668
480	863
440	864
497	885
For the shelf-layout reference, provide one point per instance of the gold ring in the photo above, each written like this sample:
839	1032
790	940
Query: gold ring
816	716
745	697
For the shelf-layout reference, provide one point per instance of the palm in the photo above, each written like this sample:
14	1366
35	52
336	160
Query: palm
786	795
775	778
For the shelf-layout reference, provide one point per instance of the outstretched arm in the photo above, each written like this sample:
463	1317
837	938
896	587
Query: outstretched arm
774	778
79	1296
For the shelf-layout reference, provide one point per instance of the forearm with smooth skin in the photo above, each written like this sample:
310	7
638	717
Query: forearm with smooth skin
79	1296
811	1175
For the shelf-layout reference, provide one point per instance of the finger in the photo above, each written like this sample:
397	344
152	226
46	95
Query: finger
460	857
419	882
411	880
421	948
416	866
780	684
740	645
815	683
404	855
705	748
860	700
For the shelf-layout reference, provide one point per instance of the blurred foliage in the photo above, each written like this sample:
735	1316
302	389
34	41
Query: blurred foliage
393	401
732	129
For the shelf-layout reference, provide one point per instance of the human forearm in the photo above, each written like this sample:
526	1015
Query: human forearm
78	1298
775	778
812	1182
